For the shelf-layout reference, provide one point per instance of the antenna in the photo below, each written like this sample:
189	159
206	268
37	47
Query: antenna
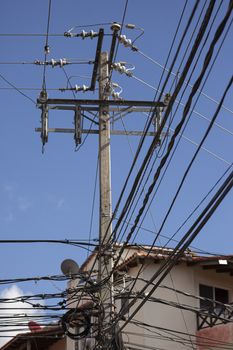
69	267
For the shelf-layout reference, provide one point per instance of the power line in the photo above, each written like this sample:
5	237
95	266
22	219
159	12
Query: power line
171	143
193	226
184	243
18	90
46	47
182	104
186	82
168	109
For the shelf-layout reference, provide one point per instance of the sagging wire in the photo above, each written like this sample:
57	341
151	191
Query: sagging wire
205	66
188	64
134	26
17	89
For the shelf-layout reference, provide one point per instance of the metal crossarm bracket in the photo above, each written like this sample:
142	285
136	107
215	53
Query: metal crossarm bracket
89	102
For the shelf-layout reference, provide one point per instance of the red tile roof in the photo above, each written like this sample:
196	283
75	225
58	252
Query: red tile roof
43	338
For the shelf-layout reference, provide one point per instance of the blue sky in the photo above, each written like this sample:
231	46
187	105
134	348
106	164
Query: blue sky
49	196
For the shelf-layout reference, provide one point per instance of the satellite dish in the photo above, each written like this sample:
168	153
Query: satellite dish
69	267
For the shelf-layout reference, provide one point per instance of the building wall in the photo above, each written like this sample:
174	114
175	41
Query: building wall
218	337
173	328
59	345
167	317
184	278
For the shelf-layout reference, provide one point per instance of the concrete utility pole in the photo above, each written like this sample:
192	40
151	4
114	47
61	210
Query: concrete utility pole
118	108
105	227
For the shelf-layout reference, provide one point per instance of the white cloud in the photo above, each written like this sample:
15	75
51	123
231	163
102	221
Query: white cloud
16	311
8	188
60	203
9	217
57	202
23	203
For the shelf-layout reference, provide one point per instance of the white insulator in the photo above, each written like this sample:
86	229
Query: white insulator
122	38
115	66
84	88
92	34
62	62
116	95
130	26
129	73
83	34
128	43
77	88
123	70
53	62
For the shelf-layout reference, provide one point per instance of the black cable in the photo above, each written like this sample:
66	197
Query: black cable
179	85
18	90
55	241
189	101
173	331
177	130
172	155
93	201
146	129
173	97
189	216
46	47
122	24
181	134
216	113
157	156
185	242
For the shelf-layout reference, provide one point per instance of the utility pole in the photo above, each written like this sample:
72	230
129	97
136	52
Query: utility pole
105	227
106	108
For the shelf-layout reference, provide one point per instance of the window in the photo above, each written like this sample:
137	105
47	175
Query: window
215	294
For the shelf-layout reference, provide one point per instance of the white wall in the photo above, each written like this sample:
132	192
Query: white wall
165	316
184	278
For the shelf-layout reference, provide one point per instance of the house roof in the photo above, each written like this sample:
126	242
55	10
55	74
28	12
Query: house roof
141	254
214	262
41	339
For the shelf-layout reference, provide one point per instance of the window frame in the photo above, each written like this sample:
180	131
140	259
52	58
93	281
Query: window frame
214	287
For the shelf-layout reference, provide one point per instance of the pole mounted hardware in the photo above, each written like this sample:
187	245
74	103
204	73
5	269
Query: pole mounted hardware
108	111
44	117
78	126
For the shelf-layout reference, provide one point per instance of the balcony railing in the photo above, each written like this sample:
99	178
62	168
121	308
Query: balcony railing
214	315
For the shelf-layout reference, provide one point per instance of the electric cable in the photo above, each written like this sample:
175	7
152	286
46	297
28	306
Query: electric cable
171	143
199	146
93	200
216	113
17	89
190	215
184	242
189	61
186	109
46	47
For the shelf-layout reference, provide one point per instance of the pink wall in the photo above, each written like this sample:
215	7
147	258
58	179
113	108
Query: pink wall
216	336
